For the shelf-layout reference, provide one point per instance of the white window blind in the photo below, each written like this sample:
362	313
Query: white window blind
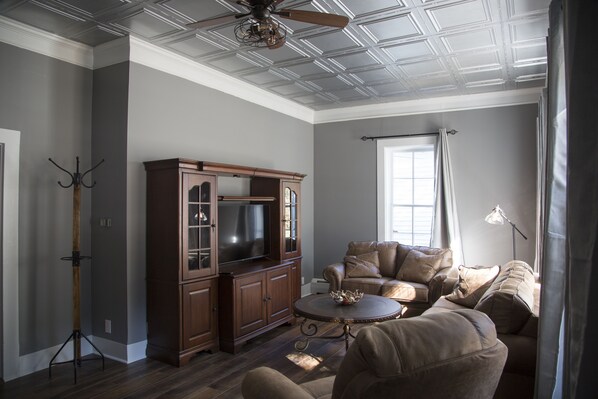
406	190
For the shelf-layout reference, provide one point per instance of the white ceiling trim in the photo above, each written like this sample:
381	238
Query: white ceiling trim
29	38
430	105
163	60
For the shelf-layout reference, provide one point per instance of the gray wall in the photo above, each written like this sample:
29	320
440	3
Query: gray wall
494	161
49	102
170	117
109	142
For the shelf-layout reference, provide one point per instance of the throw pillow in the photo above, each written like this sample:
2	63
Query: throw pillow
419	267
473	283
364	265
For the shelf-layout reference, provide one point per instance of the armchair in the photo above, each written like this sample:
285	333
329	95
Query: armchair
449	355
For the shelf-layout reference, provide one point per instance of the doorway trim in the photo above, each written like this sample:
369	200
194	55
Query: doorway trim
10	255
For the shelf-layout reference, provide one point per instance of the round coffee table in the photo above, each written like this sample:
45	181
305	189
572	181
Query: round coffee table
370	309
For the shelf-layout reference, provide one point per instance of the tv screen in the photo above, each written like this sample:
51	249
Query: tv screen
243	231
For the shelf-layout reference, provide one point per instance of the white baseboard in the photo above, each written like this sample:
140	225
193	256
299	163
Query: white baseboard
305	290
319	286
121	352
36	361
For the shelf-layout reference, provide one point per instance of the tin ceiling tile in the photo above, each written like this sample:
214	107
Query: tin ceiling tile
330	84
518	8
262	78
422	68
292	89
234	63
371	76
525	30
284	54
477	60
349	94
196	46
479	76
44	17
330	42
199	10
97	35
310	68
388	89
460	14
358	8
393	28
529	54
409	51
148	24
356	60
472	40
312	99
91	7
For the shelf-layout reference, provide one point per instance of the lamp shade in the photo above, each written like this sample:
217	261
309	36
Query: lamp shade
496	216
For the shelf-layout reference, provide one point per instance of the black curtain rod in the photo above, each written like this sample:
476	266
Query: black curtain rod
366	138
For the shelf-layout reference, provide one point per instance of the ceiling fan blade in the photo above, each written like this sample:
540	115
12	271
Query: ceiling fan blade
312	17
216	21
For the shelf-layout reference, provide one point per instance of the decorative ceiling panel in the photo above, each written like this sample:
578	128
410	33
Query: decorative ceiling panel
392	50
359	8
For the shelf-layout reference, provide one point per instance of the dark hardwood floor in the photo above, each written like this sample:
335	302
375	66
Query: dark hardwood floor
217	375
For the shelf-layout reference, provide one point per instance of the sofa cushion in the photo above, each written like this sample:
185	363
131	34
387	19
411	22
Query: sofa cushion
368	285
419	267
473	283
403	251
387	254
364	265
510	299
405	291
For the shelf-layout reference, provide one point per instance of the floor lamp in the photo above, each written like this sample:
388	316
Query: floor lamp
497	216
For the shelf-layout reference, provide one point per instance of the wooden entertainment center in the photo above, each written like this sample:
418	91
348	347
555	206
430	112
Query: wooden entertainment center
193	303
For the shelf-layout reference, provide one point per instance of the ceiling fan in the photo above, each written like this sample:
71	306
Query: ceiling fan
257	27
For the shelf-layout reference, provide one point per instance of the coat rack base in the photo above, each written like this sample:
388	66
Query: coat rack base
76	336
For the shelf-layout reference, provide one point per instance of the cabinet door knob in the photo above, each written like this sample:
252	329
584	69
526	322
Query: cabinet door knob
213	225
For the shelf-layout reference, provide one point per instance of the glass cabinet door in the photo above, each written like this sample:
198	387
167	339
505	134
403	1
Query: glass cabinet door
199	226
291	222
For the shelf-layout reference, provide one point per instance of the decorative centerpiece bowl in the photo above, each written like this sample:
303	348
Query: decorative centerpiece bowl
346	297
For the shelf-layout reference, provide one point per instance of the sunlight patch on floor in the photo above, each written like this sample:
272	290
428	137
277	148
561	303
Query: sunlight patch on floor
305	361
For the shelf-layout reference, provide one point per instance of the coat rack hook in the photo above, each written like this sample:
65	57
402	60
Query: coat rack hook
89	170
65	171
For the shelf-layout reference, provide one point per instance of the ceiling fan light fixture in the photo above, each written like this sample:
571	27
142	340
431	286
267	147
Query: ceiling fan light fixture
260	33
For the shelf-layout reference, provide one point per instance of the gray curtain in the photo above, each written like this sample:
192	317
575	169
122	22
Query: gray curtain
446	232
541	179
554	250
568	348
581	47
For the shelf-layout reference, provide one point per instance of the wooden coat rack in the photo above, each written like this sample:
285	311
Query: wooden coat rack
75	259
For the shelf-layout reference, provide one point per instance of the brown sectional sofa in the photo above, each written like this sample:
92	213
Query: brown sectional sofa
512	303
414	296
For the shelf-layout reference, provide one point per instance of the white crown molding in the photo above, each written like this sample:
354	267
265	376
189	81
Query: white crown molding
111	53
163	60
36	40
430	105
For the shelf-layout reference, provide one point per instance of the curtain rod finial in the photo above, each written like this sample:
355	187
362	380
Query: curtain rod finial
365	138
452	131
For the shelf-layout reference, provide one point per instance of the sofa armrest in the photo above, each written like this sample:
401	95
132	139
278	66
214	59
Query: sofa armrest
443	283
266	383
334	274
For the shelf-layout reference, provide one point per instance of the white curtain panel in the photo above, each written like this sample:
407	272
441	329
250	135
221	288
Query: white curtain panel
446	232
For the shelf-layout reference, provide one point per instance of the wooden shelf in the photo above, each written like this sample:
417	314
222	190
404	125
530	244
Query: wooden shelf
245	198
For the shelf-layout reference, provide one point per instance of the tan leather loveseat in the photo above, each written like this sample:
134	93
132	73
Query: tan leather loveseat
416	289
445	355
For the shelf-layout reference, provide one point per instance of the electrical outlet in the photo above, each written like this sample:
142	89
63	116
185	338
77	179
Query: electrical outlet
302	280
108	326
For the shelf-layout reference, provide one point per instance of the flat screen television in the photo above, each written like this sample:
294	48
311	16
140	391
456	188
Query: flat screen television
243	231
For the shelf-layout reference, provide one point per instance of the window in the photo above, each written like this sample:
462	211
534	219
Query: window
406	175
